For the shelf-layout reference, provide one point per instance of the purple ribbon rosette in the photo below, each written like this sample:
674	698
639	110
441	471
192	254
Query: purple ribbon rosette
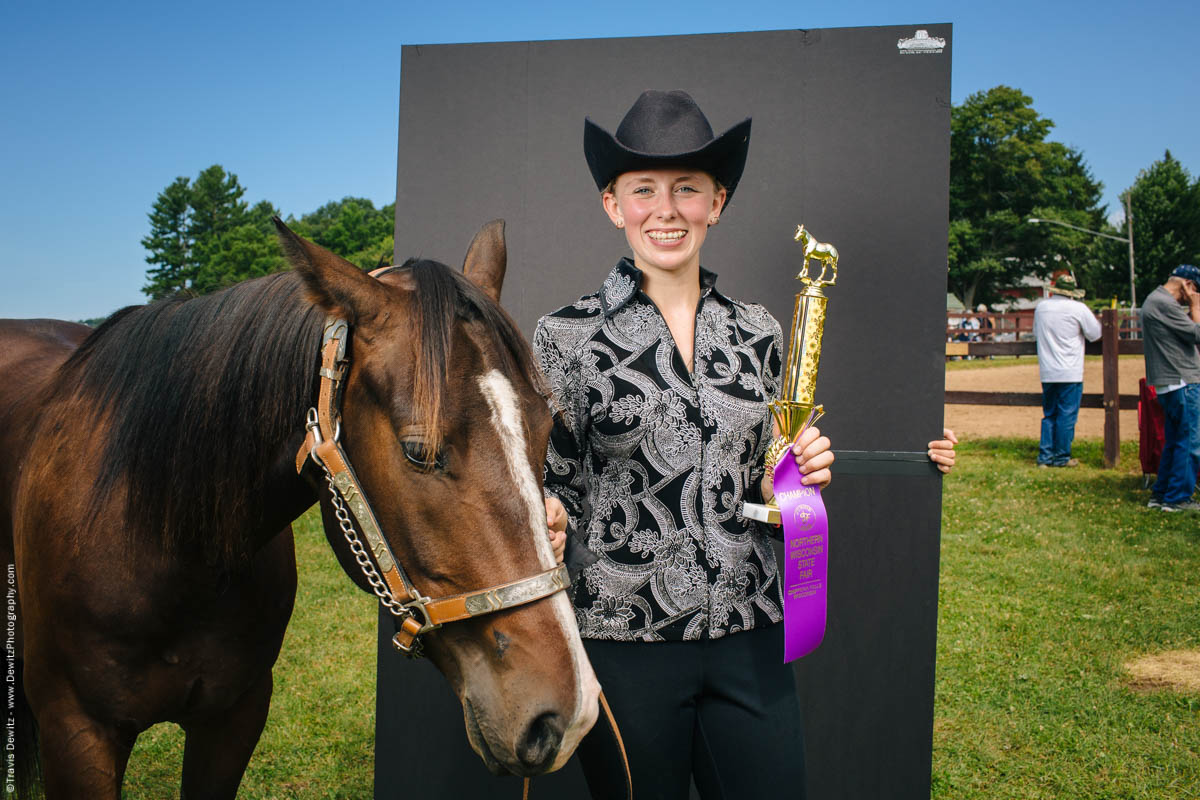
805	560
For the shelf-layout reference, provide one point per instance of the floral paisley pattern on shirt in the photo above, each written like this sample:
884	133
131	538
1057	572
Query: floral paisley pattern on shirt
652	462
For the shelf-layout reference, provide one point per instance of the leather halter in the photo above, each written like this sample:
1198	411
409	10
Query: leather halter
413	612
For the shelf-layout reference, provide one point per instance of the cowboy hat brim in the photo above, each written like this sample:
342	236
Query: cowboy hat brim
724	157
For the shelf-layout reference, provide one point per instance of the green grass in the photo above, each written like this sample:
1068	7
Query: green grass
319	742
1051	580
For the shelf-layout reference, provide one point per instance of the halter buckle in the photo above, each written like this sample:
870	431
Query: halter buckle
406	638
336	328
313	425
416	607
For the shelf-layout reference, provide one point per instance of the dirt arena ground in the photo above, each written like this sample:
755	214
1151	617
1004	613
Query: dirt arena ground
1022	376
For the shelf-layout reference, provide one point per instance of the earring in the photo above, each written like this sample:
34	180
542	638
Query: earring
620	223
713	220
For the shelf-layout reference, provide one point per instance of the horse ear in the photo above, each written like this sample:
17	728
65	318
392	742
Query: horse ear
487	258
334	283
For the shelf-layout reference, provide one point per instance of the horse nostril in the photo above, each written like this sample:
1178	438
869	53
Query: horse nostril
539	745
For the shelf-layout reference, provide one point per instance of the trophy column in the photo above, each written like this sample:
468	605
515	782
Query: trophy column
795	409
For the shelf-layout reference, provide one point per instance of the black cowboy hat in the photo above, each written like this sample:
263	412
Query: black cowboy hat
666	129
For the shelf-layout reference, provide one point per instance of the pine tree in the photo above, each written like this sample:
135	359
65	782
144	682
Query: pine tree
170	242
203	237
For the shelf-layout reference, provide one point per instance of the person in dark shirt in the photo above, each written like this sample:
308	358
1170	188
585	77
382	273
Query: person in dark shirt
661	382
1171	328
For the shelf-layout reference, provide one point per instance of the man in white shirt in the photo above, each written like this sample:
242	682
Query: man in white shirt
1061	323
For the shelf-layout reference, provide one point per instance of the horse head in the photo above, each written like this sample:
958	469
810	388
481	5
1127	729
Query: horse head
446	423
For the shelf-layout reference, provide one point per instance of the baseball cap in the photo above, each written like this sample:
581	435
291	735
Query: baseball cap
1188	273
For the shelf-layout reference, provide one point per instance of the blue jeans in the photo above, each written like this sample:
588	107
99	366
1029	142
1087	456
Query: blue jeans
1180	459
1060	409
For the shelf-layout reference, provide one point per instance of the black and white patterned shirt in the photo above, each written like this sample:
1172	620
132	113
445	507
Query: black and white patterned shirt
652	462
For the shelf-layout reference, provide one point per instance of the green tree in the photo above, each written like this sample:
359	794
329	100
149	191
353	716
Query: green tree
216	209
353	228
1165	203
203	236
169	241
248	250
1002	172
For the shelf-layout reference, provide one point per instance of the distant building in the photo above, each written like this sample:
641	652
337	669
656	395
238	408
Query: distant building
1025	295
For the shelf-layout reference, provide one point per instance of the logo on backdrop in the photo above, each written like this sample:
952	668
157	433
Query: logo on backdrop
921	45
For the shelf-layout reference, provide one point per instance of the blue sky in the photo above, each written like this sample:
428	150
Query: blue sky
105	104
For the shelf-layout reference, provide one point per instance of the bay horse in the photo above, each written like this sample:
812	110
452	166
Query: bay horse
150	478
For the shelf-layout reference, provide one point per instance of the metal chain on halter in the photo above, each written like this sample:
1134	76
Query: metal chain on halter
364	560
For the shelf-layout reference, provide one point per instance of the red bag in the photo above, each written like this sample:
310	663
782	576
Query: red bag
1150	428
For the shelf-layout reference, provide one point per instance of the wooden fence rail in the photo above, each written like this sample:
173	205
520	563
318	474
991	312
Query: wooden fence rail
1113	325
1017	326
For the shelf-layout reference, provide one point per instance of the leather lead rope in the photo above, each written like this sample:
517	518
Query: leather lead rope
616	734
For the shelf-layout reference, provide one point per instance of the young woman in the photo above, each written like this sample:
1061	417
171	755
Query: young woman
661	381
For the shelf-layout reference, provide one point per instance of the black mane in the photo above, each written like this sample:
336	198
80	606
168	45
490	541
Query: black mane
201	394
445	296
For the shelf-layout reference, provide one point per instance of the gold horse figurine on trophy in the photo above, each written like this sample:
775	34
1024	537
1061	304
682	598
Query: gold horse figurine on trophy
826	254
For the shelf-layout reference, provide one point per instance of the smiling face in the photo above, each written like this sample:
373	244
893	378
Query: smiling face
665	214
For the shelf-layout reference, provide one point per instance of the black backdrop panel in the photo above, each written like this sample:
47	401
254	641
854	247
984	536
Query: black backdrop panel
850	137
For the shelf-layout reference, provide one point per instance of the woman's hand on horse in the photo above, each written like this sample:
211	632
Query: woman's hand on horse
813	457
941	451
556	524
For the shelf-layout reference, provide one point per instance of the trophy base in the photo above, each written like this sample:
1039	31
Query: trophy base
762	512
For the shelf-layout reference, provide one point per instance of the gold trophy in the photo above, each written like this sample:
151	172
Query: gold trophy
794	410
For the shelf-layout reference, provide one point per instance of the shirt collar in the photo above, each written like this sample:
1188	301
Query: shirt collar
624	283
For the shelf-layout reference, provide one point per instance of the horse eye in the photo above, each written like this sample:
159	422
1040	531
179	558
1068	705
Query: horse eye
419	456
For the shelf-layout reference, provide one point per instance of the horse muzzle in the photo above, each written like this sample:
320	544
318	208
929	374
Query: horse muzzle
533	750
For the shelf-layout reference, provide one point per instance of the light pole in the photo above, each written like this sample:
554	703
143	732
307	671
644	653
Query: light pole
1129	241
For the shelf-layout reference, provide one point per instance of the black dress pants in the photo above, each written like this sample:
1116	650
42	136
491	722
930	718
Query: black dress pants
722	711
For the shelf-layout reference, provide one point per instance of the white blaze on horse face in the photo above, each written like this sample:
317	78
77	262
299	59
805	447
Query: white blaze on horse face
509	424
